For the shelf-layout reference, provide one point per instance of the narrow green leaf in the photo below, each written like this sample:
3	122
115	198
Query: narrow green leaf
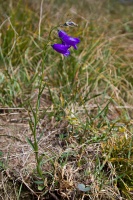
41	187
30	143
1	164
39	182
1	153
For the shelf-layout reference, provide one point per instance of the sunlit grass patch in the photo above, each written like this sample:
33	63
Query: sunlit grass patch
119	151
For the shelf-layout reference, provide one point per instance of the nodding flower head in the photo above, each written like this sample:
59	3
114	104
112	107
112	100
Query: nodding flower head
61	48
68	40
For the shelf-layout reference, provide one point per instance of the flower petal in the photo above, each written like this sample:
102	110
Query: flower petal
60	48
68	40
62	33
71	41
68	46
75	47
67	53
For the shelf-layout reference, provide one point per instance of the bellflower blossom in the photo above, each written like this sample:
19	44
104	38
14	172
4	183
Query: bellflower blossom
68	40
61	48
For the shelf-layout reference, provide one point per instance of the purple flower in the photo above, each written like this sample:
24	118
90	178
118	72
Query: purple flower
61	48
61	34
68	40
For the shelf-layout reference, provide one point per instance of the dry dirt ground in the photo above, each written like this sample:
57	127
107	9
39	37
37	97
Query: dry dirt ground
18	157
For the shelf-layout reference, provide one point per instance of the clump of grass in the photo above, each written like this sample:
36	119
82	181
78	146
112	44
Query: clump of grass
120	160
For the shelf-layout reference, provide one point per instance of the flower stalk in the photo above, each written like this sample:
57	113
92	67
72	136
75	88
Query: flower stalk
63	48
